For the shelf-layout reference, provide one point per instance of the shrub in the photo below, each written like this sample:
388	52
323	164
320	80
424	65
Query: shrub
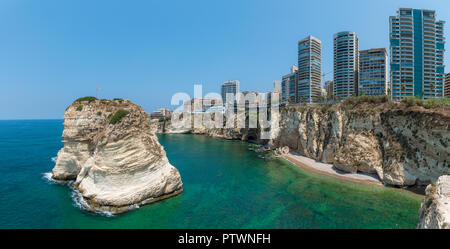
429	103
373	99
413	101
118	99
118	116
99	113
79	108
436	102
429	201
325	108
87	98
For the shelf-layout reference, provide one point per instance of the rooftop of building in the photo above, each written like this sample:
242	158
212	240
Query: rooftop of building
228	82
310	37
344	33
373	50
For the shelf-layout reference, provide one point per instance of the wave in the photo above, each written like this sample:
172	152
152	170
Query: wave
48	178
54	159
82	204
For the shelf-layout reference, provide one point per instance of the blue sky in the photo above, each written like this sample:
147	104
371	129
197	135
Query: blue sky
53	51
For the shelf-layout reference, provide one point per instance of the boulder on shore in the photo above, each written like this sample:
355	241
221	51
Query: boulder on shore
435	210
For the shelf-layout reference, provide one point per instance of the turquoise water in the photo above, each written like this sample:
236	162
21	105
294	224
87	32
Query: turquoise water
226	186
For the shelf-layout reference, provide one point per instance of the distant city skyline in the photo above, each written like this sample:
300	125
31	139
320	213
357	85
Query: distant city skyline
146	51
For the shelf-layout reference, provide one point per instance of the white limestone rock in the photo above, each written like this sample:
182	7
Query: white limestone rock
114	166
435	210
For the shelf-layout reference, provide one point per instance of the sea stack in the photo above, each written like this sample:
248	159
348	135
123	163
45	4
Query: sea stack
113	156
435	210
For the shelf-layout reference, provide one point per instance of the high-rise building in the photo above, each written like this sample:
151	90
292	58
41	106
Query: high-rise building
345	64
372	71
231	86
277	86
289	86
417	54
447	86
309	69
329	88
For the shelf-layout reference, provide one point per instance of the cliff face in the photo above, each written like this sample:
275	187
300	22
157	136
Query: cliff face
435	210
245	134
403	145
115	160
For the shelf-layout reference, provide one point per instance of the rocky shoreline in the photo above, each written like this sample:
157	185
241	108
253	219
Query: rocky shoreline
435	209
405	146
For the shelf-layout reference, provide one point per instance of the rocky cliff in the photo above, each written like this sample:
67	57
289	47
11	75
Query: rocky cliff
435	210
113	156
403	145
245	134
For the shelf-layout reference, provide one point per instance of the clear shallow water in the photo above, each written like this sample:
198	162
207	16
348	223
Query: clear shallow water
226	186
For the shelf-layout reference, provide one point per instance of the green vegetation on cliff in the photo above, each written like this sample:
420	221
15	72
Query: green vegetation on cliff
87	98
429	103
118	116
372	99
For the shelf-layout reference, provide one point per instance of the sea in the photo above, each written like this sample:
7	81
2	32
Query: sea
227	184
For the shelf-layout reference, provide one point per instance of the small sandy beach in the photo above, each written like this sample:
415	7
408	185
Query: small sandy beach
329	170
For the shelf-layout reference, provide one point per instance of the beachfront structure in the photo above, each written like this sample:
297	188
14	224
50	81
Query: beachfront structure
447	86
161	113
372	71
345	64
248	96
289	86
329	88
417	54
201	105
309	69
231	86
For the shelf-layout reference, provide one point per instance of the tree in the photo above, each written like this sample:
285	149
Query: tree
432	89
403	90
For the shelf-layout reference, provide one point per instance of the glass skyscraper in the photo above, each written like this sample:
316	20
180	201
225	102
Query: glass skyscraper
373	76
309	69
289	86
417	54
345	64
231	86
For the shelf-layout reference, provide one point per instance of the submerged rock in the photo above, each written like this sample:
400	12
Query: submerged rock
435	210
114	157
